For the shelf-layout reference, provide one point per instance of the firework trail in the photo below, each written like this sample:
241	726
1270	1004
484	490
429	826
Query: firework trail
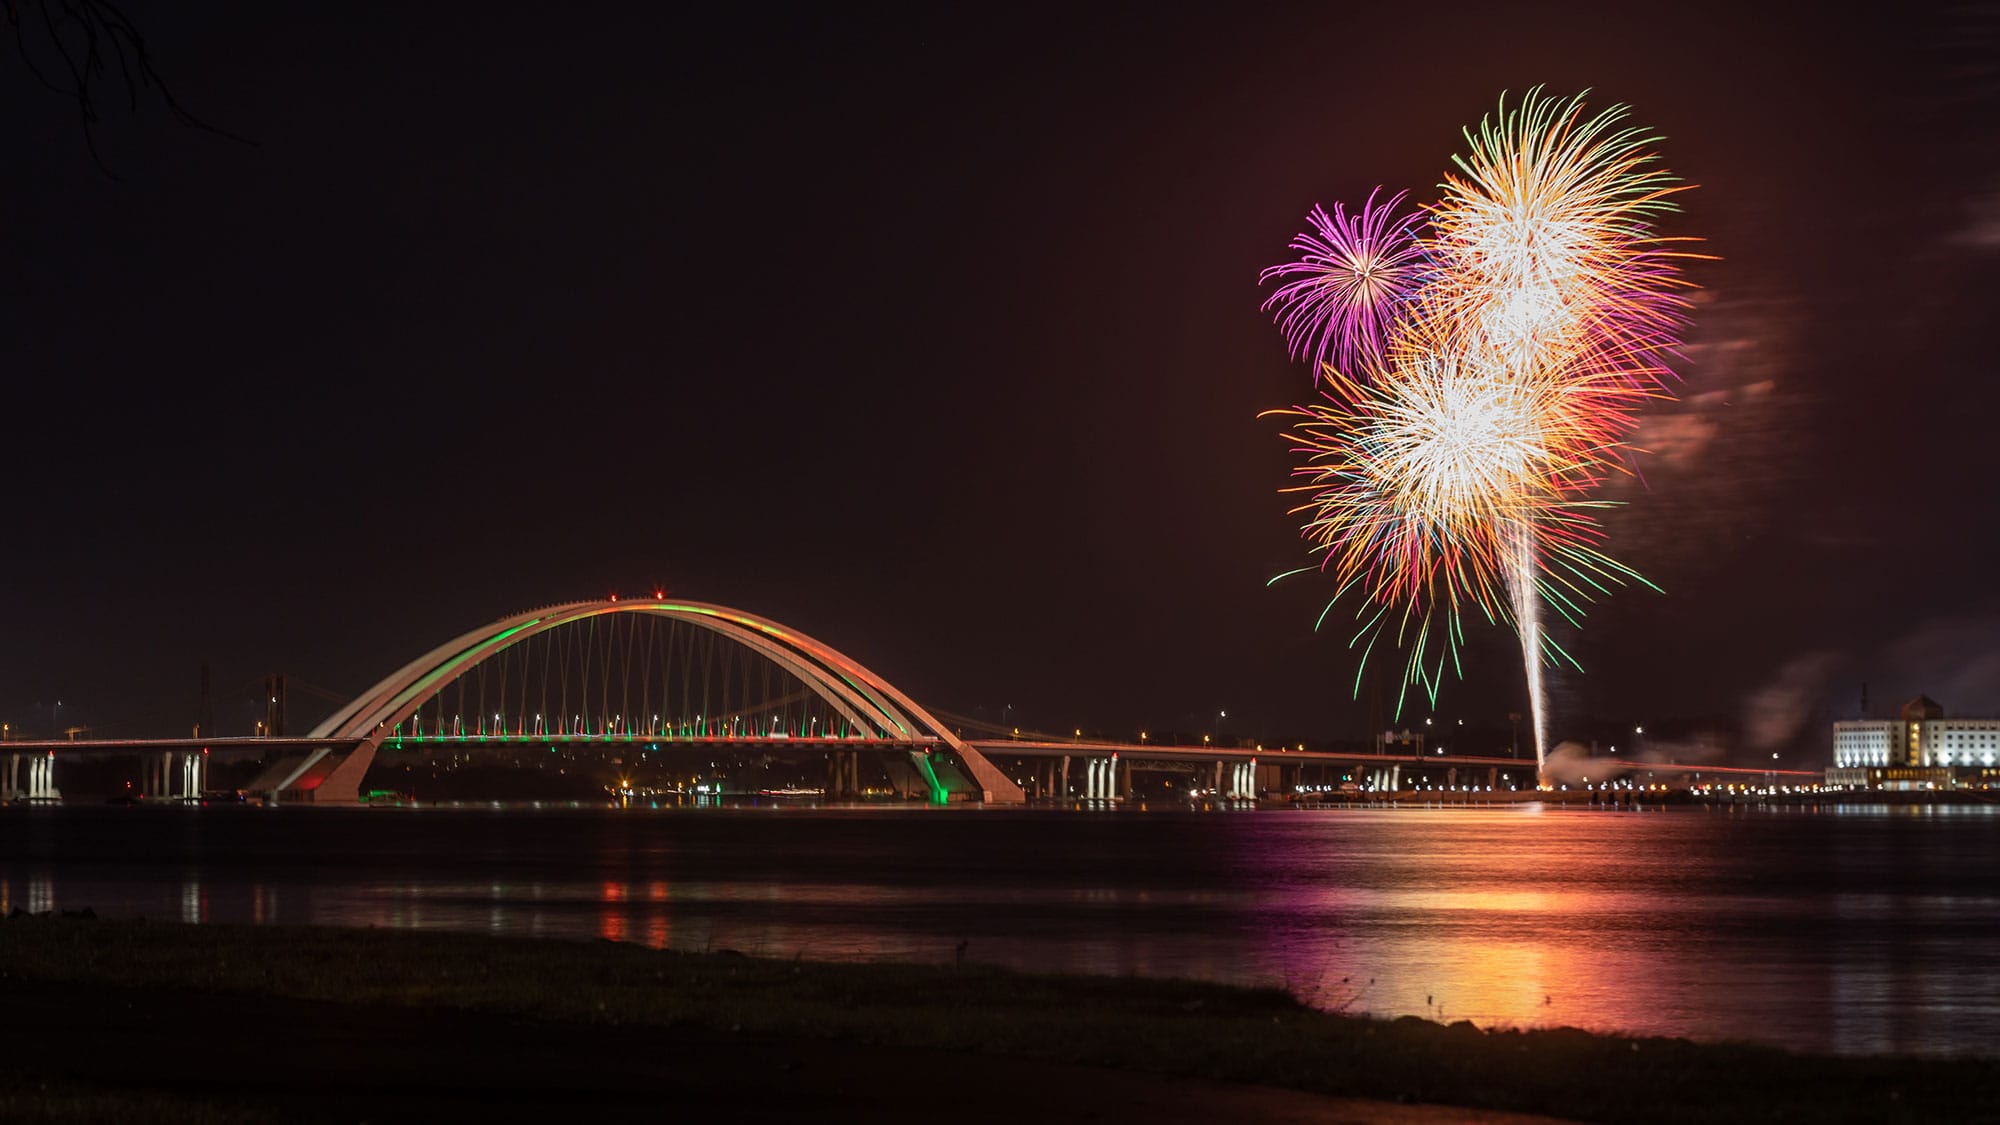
1483	368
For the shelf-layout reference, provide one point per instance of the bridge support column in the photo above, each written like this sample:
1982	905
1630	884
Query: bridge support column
42	777
1243	781
1396	778
12	787
843	773
1062	788
1103	778
1125	787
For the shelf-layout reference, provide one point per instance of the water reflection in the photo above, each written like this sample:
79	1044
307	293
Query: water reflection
1852	930
194	907
611	923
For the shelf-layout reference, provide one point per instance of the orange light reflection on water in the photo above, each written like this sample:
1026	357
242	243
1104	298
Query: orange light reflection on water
611	920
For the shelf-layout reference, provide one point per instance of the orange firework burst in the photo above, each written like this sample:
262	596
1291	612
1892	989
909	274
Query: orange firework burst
1454	470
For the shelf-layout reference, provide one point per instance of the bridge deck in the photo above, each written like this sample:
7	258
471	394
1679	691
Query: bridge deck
1148	751
1139	751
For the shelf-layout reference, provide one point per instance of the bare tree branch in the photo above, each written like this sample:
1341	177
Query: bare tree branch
85	35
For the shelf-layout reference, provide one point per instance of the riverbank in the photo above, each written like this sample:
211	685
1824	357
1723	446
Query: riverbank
244	1023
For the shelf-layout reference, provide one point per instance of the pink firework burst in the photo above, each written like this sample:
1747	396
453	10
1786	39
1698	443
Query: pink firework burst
1341	295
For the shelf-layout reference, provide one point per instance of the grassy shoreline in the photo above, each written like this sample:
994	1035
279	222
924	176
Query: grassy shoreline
1180	1028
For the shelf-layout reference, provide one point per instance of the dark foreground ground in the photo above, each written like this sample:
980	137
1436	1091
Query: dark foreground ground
135	1021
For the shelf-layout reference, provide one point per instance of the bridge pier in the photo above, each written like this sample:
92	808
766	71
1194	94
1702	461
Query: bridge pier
175	775
39	782
1062	787
1103	782
1242	781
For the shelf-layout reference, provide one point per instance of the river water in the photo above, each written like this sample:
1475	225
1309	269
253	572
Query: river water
1837	929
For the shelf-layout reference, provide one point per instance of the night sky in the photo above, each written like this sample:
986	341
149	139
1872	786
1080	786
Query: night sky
938	337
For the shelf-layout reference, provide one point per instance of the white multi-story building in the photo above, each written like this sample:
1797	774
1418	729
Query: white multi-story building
1869	742
1921	748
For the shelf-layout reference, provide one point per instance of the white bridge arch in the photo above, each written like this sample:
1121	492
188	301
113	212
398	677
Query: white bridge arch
870	704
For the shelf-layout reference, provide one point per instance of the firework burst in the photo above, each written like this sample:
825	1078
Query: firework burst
1483	382
1353	274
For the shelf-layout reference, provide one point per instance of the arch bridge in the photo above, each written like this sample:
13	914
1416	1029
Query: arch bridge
654	672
